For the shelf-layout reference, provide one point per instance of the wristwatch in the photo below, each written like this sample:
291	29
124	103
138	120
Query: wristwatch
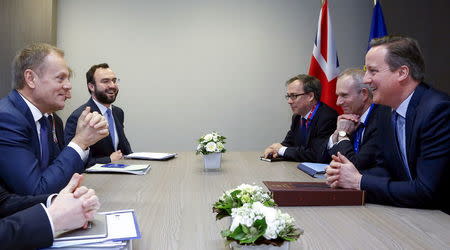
341	135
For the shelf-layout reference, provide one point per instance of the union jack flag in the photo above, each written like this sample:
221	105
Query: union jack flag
324	61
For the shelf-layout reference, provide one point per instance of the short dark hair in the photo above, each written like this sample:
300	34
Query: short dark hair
403	51
31	57
90	73
310	84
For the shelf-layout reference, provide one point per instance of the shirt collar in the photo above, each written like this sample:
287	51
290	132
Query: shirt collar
101	107
364	115
401	110
307	114
37	114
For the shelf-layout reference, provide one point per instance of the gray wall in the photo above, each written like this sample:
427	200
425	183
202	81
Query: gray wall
189	67
22	22
429	23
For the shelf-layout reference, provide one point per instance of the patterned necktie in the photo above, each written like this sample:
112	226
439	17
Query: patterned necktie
53	138
111	126
43	136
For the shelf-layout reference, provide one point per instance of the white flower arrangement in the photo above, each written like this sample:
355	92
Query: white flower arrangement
240	195
211	143
256	224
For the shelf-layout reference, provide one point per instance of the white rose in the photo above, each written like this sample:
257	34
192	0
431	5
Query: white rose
211	147
219	146
208	137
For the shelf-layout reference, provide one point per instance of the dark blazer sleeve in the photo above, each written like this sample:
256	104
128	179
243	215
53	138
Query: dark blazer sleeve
59	129
29	228
371	145
430	167
316	139
12	203
20	168
119	119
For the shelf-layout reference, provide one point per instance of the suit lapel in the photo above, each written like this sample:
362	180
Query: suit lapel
94	107
314	122
20	104
410	118
119	129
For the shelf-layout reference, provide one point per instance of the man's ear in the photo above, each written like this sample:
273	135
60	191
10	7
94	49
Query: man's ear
403	73
365	93
91	87
30	77
310	96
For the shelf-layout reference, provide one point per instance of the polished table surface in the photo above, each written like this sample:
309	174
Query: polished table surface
173	204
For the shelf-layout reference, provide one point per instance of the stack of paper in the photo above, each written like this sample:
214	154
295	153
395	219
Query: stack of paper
151	156
119	168
121	228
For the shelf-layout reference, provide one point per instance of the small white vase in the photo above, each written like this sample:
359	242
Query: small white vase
212	161
236	246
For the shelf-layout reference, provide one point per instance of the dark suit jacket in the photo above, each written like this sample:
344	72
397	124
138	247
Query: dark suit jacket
321	127
428	154
366	158
24	223
20	169
100	152
59	129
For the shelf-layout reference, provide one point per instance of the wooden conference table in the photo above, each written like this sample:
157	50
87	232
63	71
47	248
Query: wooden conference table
173	205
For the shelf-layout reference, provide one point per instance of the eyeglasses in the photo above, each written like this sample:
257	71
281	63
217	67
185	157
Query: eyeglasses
293	97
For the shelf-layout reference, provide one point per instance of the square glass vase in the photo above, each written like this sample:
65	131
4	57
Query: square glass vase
212	161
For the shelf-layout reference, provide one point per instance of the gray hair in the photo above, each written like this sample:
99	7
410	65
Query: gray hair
31	57
358	79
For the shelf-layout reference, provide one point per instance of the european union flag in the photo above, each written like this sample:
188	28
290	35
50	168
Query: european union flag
378	27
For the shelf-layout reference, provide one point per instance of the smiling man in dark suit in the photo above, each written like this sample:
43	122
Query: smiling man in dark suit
41	86
357	135
103	85
312	123
414	168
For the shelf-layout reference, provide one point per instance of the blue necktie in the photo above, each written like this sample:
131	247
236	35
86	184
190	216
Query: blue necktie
303	132
399	127
111	127
44	142
358	137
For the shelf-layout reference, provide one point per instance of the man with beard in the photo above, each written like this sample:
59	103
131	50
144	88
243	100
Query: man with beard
103	85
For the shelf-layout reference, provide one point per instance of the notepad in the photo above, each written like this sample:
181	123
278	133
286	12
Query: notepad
119	168
316	170
97	228
150	156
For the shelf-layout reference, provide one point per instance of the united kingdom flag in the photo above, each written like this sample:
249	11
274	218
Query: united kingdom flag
324	61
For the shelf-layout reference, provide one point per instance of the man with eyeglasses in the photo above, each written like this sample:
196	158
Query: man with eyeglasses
357	135
312	122
414	168
103	85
